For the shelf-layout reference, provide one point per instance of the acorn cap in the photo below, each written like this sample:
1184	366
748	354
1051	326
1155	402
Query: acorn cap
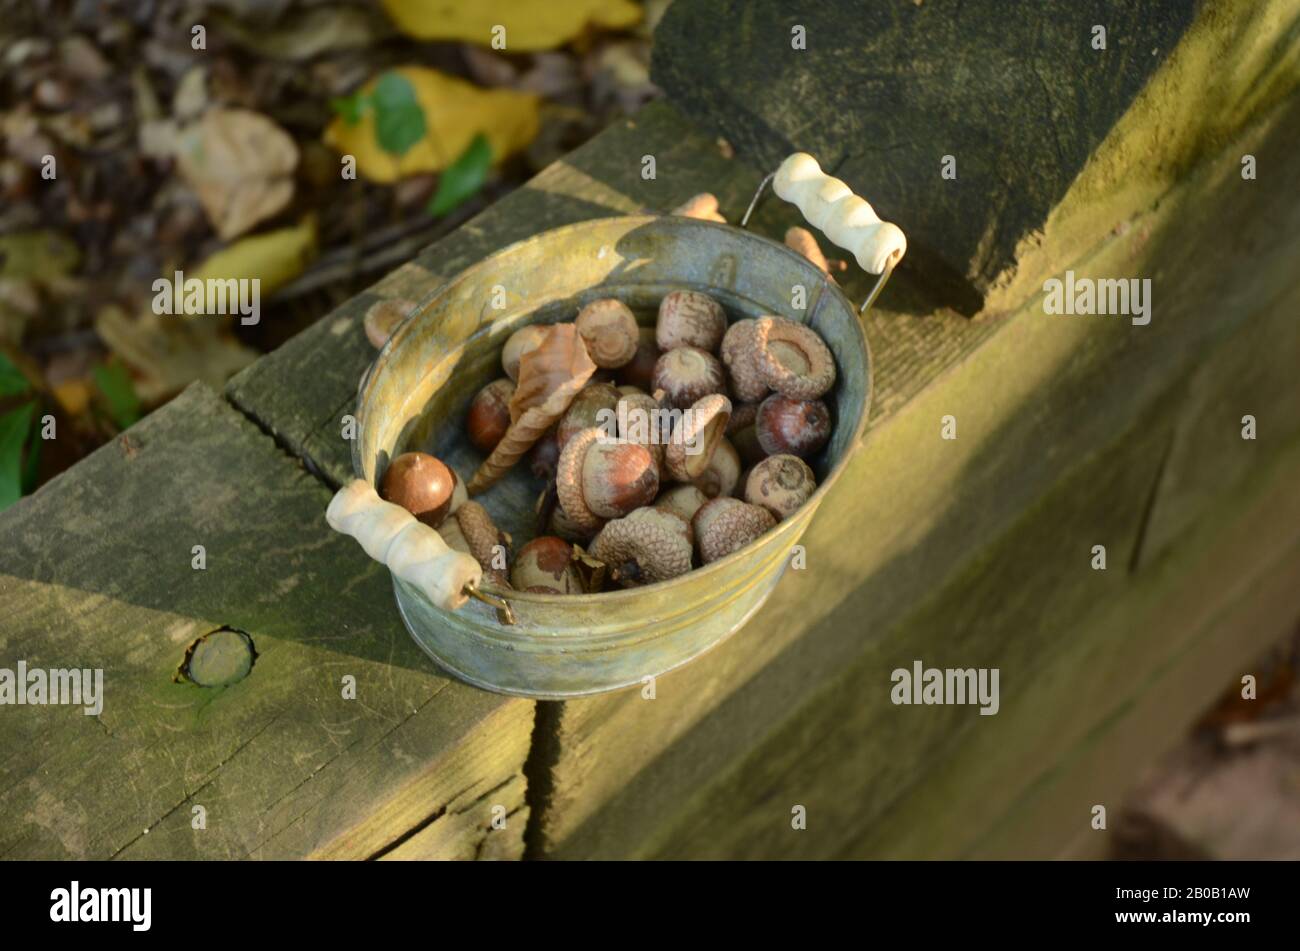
724	525
739	355
645	546
568	480
608	328
723	473
482	535
780	484
703	425
454	537
794	360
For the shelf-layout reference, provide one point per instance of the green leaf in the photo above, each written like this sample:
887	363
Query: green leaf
351	108
399	120
13	433
12	381
115	383
462	179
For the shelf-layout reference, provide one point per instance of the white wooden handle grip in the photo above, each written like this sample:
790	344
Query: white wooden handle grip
830	205
412	550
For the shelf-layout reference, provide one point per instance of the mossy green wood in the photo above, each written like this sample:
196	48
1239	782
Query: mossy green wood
97	571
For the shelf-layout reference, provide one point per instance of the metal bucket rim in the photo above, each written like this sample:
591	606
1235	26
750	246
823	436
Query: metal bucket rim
487	263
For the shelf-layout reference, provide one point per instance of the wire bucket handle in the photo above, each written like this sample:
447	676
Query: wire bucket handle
830	206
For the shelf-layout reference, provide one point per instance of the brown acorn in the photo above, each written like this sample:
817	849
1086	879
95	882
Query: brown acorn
546	562
545	454
797	427
618	477
781	484
489	414
609	330
588	409
687	374
690	319
421	484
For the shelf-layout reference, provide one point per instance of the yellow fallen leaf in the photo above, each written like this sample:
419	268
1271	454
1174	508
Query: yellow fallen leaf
275	258
529	25
454	112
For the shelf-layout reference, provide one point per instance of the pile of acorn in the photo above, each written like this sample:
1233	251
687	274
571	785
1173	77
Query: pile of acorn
650	505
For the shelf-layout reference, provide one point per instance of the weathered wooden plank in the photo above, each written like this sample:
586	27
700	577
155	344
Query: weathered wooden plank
1035	404
1089	694
301	391
885	93
1125	699
96	572
1105	765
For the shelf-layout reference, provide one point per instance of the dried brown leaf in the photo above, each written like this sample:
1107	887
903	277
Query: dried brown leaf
552	374
240	164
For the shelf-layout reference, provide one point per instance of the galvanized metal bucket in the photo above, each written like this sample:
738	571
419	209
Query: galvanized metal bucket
416	395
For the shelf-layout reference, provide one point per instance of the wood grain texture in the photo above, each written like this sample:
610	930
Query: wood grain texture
1254	612
96	572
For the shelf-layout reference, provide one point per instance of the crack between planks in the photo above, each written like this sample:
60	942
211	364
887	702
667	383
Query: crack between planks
539	774
301	459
